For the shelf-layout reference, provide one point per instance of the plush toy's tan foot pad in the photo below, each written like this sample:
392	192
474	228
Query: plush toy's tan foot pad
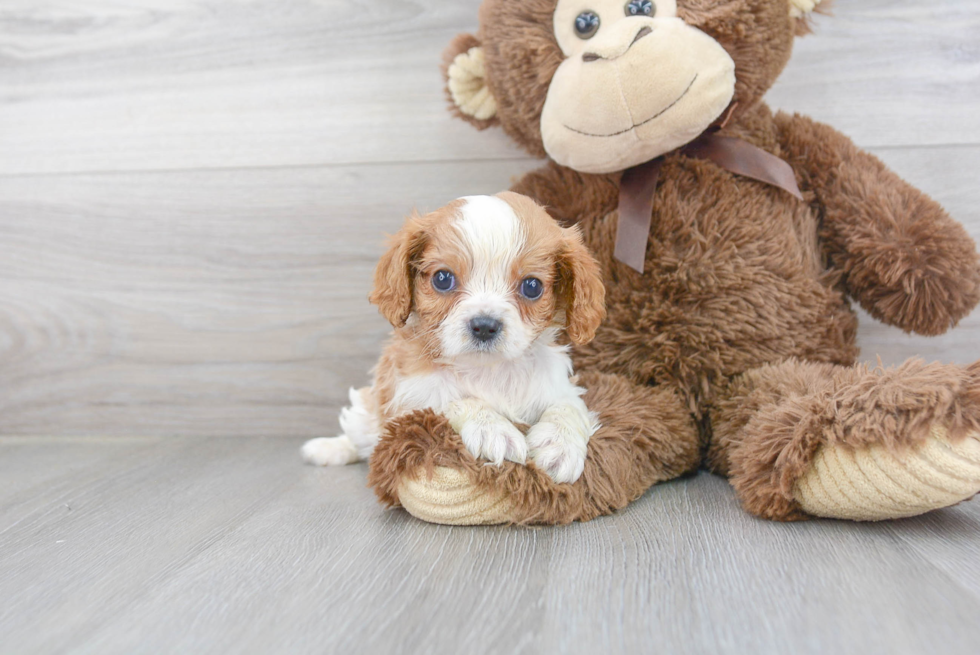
451	498
877	483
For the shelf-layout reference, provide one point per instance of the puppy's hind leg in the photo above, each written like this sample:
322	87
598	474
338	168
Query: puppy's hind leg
329	451
361	431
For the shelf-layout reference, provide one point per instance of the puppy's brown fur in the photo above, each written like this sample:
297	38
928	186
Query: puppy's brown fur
573	295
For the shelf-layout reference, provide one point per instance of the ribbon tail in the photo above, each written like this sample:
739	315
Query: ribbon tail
636	192
743	158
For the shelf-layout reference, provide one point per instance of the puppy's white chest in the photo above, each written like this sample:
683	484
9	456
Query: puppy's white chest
511	389
518	389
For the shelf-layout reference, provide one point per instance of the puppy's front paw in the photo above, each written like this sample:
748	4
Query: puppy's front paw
488	435
329	451
558	450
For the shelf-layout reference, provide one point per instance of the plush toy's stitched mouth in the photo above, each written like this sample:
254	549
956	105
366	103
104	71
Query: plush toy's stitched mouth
654	117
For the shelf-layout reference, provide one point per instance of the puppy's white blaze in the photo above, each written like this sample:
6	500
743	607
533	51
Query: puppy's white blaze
491	228
493	236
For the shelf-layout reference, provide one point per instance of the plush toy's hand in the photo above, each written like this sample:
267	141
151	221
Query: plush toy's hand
559	441
485	433
902	257
923	278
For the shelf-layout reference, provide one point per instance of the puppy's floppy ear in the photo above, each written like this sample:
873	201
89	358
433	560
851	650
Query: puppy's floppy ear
466	82
580	288
395	274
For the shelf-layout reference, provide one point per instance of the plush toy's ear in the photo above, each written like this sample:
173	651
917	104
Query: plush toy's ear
801	10
394	276
466	82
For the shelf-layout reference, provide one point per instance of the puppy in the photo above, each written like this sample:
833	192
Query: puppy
478	293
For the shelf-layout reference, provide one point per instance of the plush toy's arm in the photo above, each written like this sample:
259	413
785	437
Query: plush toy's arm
903	258
569	196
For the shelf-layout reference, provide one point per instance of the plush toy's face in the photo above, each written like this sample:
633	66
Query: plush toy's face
636	82
603	85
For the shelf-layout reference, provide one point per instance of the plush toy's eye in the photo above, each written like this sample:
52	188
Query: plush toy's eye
586	24
532	288
443	281
640	8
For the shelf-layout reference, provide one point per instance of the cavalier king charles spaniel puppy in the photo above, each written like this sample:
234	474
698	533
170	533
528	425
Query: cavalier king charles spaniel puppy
478	293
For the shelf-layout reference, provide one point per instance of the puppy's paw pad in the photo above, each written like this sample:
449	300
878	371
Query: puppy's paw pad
558	454
329	451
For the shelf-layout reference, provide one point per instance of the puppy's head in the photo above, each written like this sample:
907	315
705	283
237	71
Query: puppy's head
486	276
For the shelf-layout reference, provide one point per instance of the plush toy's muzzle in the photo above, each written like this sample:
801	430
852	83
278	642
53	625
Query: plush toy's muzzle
639	88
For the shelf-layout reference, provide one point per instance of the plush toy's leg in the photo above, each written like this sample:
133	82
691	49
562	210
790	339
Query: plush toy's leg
802	439
647	436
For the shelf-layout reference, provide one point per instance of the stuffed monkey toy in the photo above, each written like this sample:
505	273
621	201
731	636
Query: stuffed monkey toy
732	242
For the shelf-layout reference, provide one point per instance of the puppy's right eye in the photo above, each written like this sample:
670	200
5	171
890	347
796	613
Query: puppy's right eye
443	281
531	288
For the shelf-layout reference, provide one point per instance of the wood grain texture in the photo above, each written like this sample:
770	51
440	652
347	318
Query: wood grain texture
79	547
234	302
100	85
193	194
230	545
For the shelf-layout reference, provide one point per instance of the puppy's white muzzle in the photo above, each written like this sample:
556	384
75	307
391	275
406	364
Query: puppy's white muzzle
484	326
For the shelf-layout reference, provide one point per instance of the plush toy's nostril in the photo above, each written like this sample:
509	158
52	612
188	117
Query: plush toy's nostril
592	56
485	328
642	33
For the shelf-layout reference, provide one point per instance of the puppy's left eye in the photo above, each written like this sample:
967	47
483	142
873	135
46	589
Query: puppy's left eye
443	281
531	288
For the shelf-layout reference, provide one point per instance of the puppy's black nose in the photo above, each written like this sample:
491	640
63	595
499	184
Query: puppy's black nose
485	328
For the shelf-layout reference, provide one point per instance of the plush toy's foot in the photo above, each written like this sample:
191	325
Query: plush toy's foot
877	483
647	436
450	497
802	439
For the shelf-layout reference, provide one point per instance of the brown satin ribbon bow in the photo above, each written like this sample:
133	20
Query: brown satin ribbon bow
640	183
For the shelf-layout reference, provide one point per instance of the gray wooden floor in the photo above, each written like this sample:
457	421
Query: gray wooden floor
192	198
226	545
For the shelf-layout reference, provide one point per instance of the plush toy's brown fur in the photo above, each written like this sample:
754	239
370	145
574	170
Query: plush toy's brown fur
735	349
637	422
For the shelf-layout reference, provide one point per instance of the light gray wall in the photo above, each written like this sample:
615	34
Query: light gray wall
193	194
